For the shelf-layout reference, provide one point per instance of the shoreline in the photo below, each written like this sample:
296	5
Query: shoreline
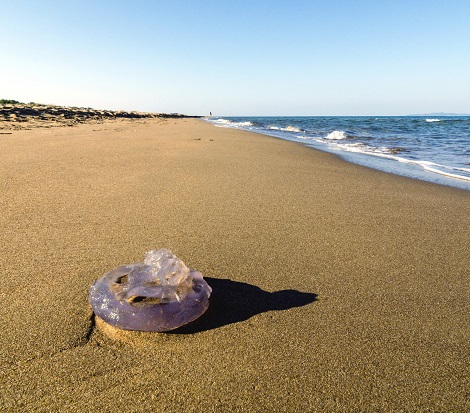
336	287
391	163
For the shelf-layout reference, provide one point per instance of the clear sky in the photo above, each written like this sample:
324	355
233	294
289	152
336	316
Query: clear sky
289	57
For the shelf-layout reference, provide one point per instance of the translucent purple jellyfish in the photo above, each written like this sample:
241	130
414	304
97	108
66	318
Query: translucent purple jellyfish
160	294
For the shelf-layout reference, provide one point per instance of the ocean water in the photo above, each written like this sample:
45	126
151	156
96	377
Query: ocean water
435	149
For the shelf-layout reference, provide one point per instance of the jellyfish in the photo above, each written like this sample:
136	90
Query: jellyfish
160	294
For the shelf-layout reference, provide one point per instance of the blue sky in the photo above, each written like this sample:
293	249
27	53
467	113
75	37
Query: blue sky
239	57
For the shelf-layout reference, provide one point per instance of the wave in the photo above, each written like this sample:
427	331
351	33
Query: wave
336	135
359	147
229	123
390	153
286	129
433	120
438	169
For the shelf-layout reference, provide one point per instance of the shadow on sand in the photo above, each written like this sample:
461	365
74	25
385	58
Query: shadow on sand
233	301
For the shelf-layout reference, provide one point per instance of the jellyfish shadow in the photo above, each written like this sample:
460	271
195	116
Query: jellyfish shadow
234	301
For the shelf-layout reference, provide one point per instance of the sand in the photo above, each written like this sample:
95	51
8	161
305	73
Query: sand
336	287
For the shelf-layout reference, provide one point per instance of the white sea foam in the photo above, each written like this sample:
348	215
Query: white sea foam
226	123
360	148
440	169
436	168
286	129
336	135
384	152
387	153
433	120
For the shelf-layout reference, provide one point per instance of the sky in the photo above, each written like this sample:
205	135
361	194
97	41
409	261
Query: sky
239	58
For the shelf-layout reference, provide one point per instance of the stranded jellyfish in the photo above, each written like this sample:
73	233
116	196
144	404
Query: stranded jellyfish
160	294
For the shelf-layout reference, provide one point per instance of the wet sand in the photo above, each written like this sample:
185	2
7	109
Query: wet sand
336	287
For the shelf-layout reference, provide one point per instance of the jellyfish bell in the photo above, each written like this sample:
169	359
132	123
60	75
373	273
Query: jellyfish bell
160	294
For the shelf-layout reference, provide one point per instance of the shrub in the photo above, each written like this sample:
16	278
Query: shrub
8	102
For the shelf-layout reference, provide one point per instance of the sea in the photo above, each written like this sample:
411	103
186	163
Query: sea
429	148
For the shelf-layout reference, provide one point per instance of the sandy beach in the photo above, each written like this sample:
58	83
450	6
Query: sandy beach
336	288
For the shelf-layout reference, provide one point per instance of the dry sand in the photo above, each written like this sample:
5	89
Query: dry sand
336	287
